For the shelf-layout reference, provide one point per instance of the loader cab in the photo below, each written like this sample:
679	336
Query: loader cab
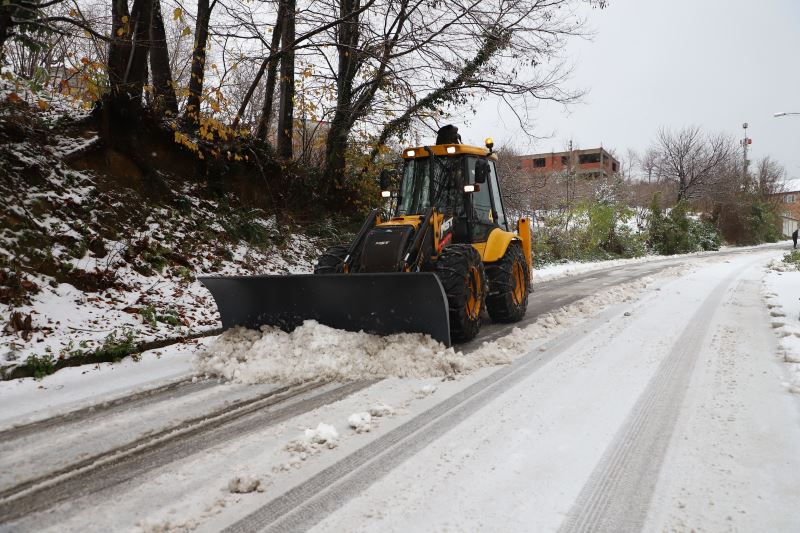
438	181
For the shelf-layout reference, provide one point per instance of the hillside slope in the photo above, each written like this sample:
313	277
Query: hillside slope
96	257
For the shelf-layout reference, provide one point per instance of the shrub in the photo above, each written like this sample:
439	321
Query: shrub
705	234
749	219
792	258
116	348
676	233
763	222
148	314
41	366
590	231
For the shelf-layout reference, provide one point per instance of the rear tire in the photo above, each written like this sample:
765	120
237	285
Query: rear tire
509	286
460	270
332	260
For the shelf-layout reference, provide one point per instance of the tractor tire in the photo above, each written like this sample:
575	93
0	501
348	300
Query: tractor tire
509	286
332	260
460	270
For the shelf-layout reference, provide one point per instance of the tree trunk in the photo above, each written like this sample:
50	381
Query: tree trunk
286	108
272	70
120	47
136	68
192	113
163	86
336	144
682	188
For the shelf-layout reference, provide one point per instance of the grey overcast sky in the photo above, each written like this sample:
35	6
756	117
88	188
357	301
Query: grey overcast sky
652	63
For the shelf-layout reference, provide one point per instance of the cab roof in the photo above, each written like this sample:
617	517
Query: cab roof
447	150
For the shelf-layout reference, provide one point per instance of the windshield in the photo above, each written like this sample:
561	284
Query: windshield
431	182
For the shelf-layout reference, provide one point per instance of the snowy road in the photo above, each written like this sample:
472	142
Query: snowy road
663	412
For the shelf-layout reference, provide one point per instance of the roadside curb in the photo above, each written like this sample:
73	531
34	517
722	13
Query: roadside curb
25	371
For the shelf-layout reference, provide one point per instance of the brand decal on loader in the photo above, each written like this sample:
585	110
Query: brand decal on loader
381	243
447	224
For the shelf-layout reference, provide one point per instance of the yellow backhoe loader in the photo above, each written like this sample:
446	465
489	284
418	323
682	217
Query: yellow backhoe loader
446	253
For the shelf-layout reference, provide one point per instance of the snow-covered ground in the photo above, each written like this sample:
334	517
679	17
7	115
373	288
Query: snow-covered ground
664	406
574	268
782	293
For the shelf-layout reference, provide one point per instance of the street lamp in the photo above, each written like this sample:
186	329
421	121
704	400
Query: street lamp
783	114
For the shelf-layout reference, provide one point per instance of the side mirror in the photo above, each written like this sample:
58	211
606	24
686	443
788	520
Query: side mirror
481	171
386	178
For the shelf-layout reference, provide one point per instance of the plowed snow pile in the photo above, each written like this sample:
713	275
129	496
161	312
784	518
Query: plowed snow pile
315	351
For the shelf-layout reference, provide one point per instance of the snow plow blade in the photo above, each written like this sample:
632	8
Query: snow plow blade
380	303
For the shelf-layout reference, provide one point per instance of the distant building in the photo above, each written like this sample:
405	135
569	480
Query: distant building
591	163
789	209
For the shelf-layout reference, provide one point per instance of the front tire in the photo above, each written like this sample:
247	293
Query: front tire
332	261
460	270
509	286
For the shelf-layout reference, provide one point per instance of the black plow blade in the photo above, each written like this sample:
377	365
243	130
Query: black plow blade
382	303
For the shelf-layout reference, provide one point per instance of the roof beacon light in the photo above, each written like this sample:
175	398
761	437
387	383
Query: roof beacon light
489	144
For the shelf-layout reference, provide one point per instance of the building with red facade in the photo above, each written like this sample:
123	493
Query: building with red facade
789	210
592	163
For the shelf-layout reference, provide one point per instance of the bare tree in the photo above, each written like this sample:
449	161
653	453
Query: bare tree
648	163
692	159
769	177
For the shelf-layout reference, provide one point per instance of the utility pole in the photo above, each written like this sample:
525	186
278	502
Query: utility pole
745	162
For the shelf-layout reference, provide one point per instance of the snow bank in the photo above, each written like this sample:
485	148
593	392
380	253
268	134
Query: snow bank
780	293
315	351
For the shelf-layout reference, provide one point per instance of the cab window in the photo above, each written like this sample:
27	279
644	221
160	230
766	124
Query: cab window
482	214
498	201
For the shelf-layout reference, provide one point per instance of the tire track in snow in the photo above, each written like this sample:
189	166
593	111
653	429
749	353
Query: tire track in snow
617	495
113	469
108	407
308	503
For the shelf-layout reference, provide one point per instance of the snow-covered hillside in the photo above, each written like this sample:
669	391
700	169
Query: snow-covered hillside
96	263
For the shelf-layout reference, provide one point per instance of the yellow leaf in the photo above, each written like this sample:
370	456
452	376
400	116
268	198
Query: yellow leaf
186	31
177	13
73	13
43	105
214	106
125	19
121	32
